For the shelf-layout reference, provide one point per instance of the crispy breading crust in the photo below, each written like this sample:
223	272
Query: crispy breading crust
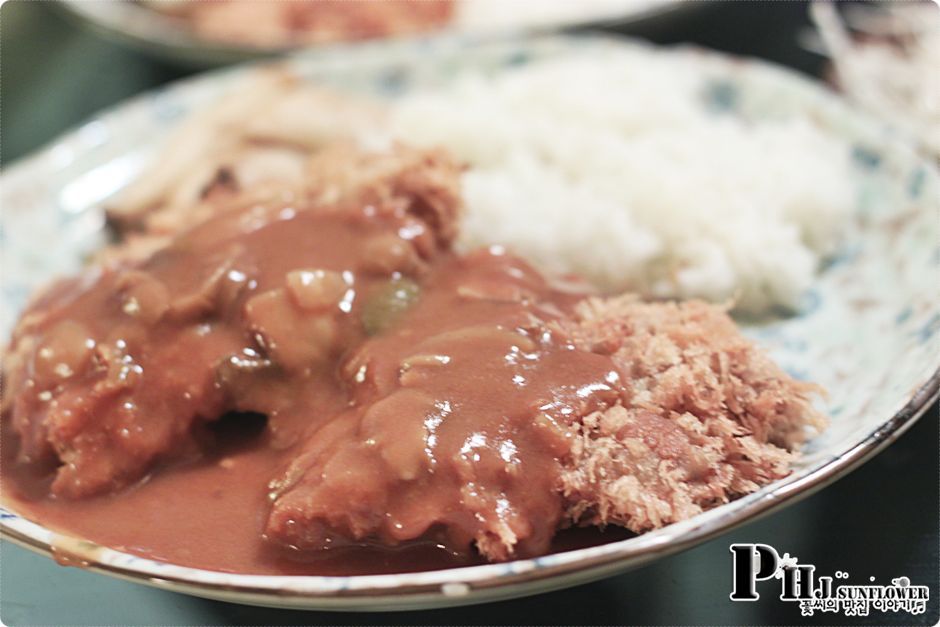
708	416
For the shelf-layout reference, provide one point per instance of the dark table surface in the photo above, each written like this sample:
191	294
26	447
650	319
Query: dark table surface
881	520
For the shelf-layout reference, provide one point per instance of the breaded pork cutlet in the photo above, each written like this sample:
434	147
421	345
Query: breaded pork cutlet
689	415
410	392
113	371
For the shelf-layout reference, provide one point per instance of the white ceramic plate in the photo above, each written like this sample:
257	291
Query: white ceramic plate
160	34
869	330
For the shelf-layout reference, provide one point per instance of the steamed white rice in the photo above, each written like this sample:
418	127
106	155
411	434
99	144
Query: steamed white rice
620	172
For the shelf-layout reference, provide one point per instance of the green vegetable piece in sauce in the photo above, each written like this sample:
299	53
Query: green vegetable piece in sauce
388	303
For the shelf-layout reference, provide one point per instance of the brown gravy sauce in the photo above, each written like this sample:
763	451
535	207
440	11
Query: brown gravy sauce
399	405
202	516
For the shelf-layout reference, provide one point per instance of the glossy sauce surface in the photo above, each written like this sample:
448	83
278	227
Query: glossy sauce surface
301	390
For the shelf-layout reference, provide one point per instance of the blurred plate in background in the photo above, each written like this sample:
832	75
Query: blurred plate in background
170	38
